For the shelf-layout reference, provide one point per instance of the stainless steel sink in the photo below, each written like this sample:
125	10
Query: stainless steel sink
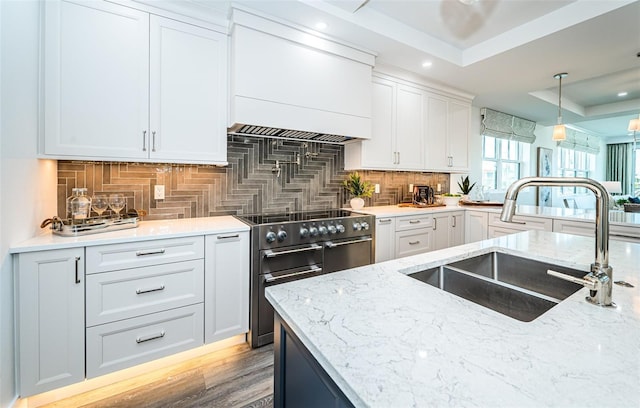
516	287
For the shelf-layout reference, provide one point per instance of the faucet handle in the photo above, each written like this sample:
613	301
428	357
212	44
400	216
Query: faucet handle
589	280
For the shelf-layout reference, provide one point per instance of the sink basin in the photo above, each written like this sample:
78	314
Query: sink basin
516	287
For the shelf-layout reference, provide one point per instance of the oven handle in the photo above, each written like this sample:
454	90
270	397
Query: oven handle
268	278
270	254
330	244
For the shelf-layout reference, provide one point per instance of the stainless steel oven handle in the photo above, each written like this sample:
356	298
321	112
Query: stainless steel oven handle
268	278
270	254
330	244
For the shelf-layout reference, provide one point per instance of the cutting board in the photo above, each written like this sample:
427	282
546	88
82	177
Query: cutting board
482	203
411	205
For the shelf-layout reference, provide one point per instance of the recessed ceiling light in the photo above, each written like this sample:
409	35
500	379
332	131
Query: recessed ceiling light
427	64
621	94
321	25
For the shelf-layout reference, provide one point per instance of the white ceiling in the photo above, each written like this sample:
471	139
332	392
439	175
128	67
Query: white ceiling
505	52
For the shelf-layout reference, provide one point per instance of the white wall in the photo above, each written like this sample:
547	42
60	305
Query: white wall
27	185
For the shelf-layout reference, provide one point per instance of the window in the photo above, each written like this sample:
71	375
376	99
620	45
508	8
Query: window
502	162
574	163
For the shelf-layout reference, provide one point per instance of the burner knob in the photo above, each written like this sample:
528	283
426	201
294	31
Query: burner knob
313	231
304	232
365	226
340	228
323	230
356	226
332	229
271	236
282	235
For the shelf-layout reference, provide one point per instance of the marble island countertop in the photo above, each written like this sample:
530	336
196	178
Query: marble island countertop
388	340
146	230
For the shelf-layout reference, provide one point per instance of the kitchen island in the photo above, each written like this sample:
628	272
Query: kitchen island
387	340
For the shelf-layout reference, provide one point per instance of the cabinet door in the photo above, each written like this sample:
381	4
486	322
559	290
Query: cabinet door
50	319
456	229
409	129
96	80
379	151
436	140
441	231
458	117
226	285
476	226
385	233
188	92
414	242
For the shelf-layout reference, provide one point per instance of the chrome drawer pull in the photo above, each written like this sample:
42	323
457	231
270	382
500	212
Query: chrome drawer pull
228	236
414	222
268	278
384	221
141	291
143	339
330	244
414	242
270	254
156	252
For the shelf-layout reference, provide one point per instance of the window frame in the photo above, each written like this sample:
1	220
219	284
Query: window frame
581	164
499	161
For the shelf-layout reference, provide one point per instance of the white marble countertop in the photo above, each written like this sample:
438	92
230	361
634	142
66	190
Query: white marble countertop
615	217
146	230
388	340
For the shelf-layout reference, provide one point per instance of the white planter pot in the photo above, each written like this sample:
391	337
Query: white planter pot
356	203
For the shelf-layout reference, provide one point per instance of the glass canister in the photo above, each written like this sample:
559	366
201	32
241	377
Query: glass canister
78	204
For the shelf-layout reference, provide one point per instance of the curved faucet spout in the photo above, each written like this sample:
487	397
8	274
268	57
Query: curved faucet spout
601	264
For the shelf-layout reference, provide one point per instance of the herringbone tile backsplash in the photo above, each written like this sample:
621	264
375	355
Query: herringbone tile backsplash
247	185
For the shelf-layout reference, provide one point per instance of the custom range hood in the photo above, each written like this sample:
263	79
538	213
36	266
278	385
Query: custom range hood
290	82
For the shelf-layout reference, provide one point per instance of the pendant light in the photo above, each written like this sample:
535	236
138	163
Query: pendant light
559	132
634	126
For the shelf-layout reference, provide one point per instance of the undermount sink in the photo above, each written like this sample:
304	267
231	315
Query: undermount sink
516	287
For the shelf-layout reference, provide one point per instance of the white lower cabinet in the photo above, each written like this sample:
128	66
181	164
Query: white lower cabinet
448	229
226	285
587	228
476	226
50	319
414	235
125	304
128	342
385	237
497	228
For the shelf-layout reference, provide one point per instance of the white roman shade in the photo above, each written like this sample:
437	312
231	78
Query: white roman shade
581	141
505	126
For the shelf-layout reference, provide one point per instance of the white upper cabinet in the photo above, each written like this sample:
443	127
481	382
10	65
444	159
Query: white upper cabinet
120	84
447	136
397	130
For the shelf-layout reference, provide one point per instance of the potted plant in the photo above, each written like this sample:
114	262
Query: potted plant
359	189
465	187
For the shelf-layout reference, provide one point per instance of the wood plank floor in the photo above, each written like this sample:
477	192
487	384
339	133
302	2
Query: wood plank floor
234	377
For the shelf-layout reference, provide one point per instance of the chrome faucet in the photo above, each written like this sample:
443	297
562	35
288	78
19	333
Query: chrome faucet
600	279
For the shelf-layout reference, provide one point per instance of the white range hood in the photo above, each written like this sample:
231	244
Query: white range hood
289	82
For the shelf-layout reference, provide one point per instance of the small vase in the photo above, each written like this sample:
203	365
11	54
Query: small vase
357	203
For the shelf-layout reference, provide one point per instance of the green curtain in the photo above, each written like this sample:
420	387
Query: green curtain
619	165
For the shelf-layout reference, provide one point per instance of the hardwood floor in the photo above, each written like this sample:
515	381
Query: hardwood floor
234	377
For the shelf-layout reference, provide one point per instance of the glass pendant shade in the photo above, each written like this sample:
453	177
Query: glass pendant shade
559	133
634	125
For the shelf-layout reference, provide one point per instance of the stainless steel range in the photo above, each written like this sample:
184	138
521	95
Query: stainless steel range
287	247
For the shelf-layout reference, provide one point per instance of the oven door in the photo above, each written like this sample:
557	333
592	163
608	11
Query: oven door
345	254
265	313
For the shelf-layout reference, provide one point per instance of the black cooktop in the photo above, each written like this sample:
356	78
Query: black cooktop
260	219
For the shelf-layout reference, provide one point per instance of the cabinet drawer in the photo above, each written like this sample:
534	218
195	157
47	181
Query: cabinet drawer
105	258
413	242
123	344
413	222
522	223
129	293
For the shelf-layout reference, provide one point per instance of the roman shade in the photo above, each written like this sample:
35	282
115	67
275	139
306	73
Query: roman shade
505	126
580	141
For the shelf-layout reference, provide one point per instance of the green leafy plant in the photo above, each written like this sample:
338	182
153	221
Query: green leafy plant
465	188
358	187
620	202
